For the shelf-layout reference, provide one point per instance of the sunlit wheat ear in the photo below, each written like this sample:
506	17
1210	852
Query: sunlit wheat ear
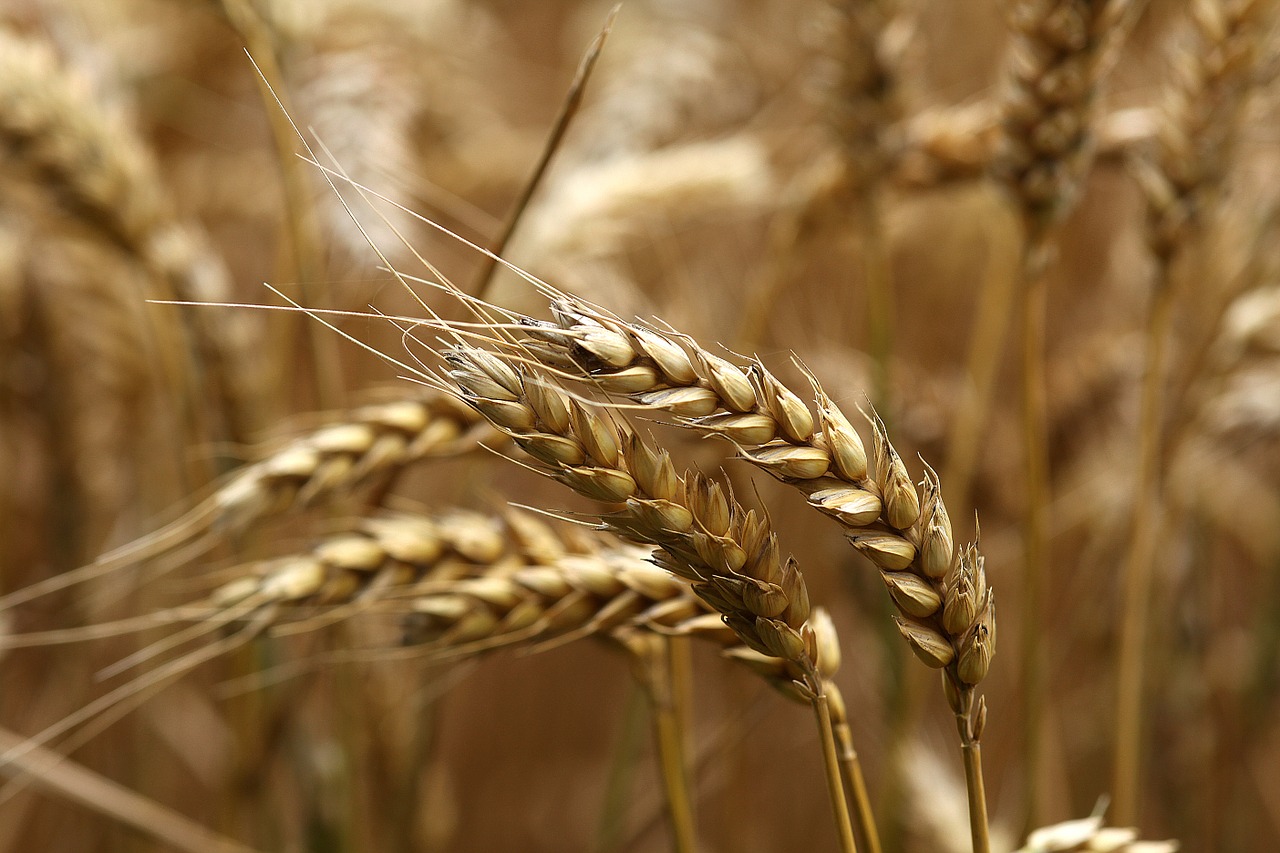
906	533
728	554
702	533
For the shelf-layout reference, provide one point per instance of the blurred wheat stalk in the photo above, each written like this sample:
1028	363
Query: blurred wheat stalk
860	221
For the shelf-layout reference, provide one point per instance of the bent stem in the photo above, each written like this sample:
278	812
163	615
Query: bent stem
833	766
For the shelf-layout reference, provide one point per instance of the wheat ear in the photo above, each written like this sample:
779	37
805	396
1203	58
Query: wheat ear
728	554
906	533
469	584
102	172
947	612
1060	52
1198	131
366	445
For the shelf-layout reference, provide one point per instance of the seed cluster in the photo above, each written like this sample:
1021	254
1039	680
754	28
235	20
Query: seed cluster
728	554
946	611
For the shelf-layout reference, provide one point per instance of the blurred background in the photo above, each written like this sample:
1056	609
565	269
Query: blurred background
744	170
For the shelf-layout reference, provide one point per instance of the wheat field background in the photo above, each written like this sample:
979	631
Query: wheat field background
1037	238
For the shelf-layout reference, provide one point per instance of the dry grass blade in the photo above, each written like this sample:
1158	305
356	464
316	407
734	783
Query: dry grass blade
58	775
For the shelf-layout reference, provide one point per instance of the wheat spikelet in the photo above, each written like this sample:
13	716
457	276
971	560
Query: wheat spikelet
99	170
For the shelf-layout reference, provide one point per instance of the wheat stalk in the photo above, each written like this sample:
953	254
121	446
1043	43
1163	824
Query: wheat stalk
1060	52
1199	128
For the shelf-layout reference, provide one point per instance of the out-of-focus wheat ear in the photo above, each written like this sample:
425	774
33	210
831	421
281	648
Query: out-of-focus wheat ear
102	173
384	559
94	413
857	70
949	144
1088	834
1215	69
1059	54
1182	176
355	449
729	555
360	448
